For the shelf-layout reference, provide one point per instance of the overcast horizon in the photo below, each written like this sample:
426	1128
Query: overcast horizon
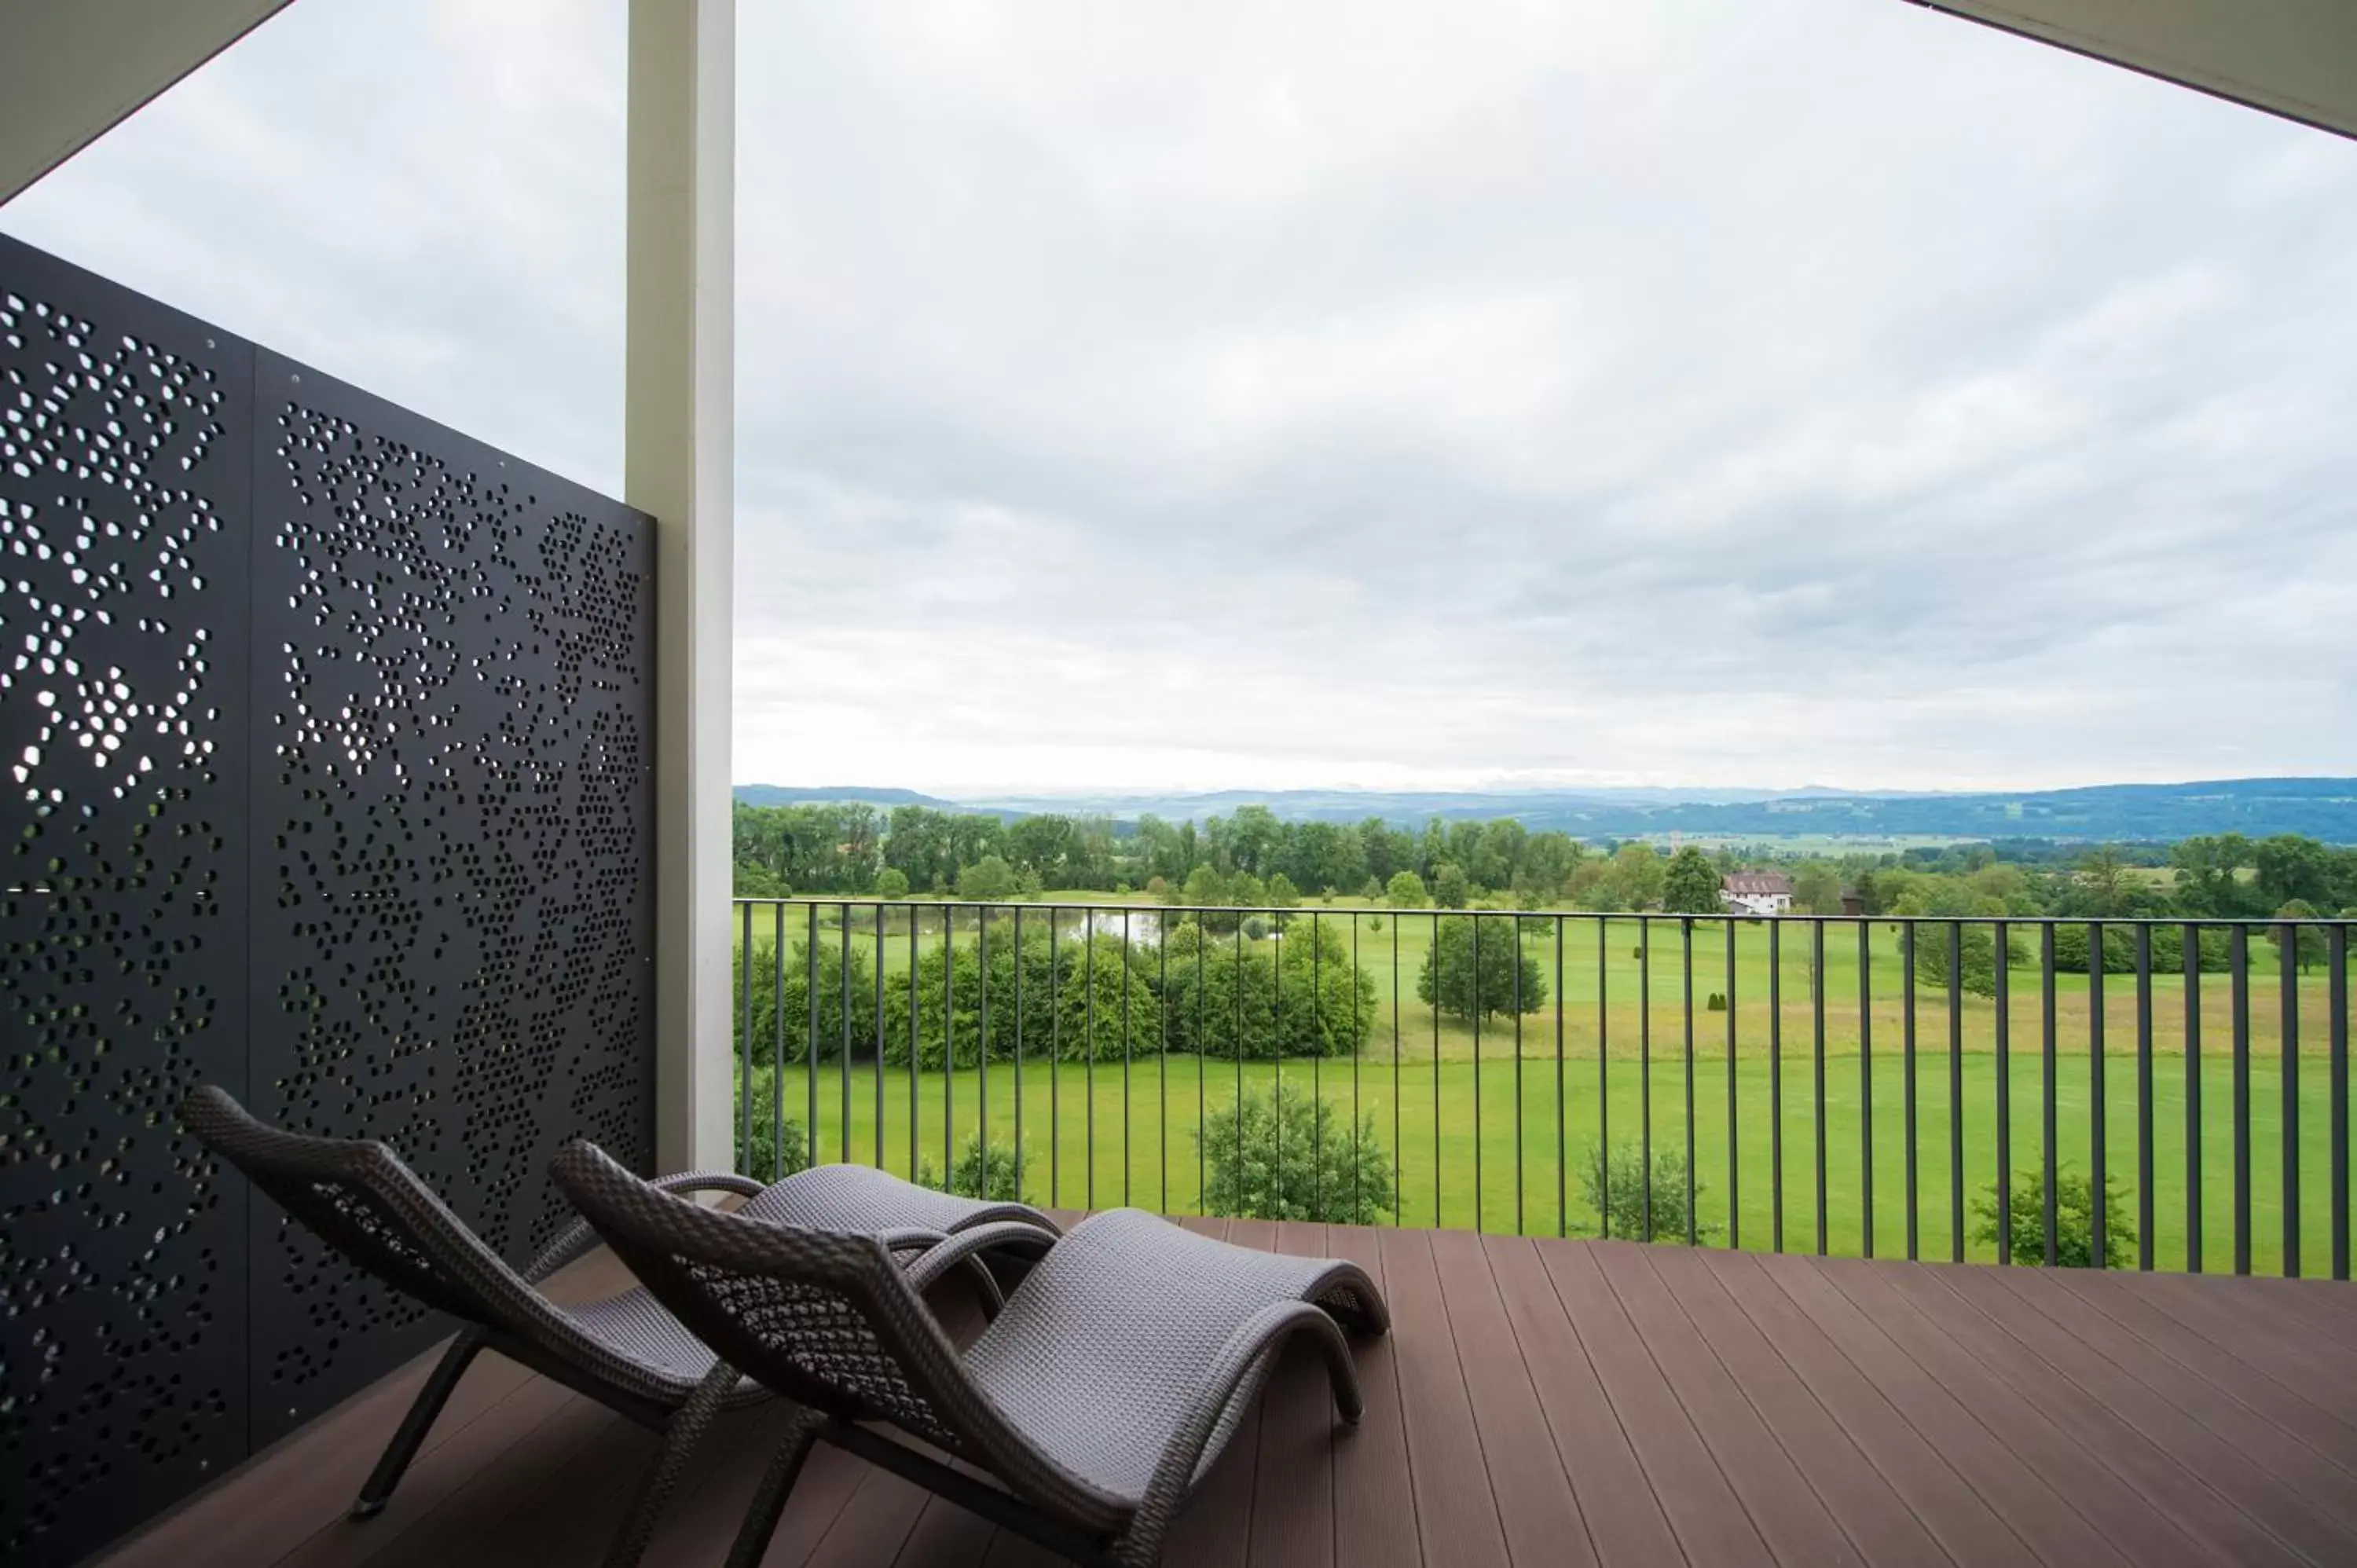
1167	399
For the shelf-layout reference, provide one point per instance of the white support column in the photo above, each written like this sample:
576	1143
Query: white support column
678	464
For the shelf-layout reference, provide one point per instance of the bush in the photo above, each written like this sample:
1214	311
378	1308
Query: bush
1108	991
1976	952
790	993
1449	980
1615	1183
978	1169
2074	1219
1405	891
1715	1003
1305	1002
892	883
756	1158
1283	1155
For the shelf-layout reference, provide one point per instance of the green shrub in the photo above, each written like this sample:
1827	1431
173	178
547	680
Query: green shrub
1715	1003
758	1159
979	1173
1305	1000
773	994
1283	1155
1615	1183
2074	1221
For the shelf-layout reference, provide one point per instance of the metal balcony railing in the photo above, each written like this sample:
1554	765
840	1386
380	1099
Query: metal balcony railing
2007	1090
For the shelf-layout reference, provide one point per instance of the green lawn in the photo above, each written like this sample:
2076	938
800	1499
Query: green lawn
1427	1114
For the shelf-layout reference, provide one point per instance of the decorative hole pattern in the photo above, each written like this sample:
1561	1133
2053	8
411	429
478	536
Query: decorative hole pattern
123	490
453	840
324	776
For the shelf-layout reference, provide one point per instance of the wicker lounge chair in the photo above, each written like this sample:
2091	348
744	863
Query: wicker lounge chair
626	1352
1094	1400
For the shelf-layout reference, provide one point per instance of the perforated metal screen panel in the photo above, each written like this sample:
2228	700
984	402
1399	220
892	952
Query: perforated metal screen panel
324	745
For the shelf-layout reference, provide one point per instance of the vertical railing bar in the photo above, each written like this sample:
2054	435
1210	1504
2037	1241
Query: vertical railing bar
1817	1046
843	988
1240	1052
2189	937
810	1040
1562	1189
1514	924
949	1043
1276	1031
1202	1061
1476	917
1734	1147
1604	1074
1399	1177
2336	954
2143	1095
1685	954
980	1057
2049	1126
1162	1058
1316	1087
1128	1159
1358	1192
745	1044
2002	938
1866	1082
2240	959
2287	1000
1776	1083
1089	1056
1018	1053
1055	1060
776	1078
916	1063
1955	1091
2098	1037
1645	1072
1907	1082
879	1037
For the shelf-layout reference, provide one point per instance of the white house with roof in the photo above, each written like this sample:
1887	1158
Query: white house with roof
1757	892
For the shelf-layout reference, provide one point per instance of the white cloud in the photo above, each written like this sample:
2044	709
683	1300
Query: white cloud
1215	394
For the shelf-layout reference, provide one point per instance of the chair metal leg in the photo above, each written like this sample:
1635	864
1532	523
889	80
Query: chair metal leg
411	1435
777	1484
680	1440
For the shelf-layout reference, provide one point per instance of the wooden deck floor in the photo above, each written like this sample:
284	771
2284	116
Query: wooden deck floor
1540	1402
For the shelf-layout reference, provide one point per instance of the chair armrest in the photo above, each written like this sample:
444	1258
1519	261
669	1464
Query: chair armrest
577	1240
944	1255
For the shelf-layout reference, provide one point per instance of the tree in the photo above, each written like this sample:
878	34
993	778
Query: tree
1107	1008
1637	875
892	884
1284	1155
1473	966
2308	940
781	1002
1451	888
1282	893
1690	884
2103	873
1406	891
1818	889
989	880
2289	867
1223	1002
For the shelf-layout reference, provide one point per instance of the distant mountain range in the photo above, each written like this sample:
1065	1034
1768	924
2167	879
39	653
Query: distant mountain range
2320	808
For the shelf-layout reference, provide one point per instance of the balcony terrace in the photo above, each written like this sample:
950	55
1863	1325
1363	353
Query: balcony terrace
1541	1402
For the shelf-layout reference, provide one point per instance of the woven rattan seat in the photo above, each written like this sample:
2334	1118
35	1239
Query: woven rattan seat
628	1352
1093	1401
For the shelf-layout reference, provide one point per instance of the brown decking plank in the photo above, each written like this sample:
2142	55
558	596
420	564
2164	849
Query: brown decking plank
508	1478
2003	1478
1374	1496
1873	1515
1457	1517
1616	1499
568	1519
2255	1327
2089	1400
2321	1429
2199	1455
1293	1489
1785	1510
1215	1525
1966	1528
1537	1506
526	1424
1704	1510
876	1523
944	1536
2262	1441
2121	1515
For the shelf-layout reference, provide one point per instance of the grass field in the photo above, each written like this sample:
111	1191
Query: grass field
1429	1117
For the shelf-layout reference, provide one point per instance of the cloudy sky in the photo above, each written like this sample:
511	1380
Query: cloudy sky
1198	394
